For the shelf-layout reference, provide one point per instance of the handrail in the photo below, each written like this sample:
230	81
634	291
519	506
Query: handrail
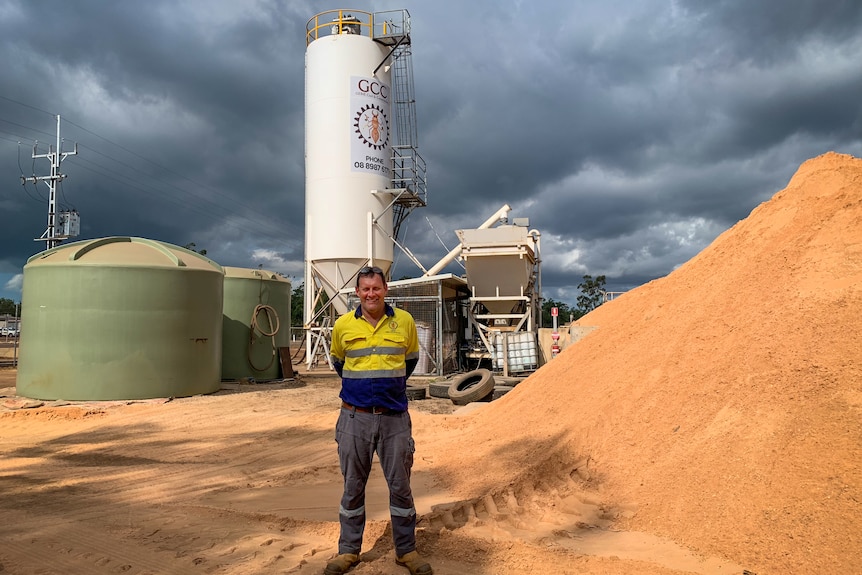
339	22
377	25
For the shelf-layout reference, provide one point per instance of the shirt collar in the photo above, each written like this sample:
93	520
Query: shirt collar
389	311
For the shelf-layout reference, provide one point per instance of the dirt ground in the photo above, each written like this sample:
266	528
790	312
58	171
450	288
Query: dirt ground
711	424
246	481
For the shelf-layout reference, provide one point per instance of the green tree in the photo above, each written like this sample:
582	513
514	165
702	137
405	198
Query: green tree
592	294
297	306
7	306
191	246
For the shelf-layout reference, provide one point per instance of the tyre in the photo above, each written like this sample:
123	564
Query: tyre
500	391
439	389
510	381
415	392
472	386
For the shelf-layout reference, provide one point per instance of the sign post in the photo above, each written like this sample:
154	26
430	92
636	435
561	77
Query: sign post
555	347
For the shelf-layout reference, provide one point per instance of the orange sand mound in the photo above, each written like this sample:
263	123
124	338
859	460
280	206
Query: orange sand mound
720	405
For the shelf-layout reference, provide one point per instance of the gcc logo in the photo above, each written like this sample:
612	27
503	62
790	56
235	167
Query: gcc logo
373	87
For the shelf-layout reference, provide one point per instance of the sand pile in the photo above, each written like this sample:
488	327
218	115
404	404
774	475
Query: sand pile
721	405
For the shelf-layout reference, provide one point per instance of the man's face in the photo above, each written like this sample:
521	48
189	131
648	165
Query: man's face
372	291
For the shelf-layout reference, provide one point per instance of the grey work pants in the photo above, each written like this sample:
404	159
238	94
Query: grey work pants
359	436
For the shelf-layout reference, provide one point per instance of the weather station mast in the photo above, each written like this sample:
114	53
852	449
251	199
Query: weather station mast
363	173
65	224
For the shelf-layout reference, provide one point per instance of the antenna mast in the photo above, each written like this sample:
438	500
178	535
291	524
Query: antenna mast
56	156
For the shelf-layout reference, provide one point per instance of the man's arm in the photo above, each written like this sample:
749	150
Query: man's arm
411	365
336	353
412	357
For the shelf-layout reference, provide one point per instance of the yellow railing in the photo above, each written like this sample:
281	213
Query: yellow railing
339	22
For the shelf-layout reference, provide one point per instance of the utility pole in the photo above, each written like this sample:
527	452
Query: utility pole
55	155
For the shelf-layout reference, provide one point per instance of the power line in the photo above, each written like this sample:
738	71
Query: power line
24	181
274	230
169	170
110	174
27	106
261	223
25	127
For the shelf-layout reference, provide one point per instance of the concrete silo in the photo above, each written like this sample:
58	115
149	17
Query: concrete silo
363	174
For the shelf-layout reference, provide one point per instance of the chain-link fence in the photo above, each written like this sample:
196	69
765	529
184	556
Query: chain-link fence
439	321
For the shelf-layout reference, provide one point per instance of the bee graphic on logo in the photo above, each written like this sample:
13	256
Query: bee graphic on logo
372	126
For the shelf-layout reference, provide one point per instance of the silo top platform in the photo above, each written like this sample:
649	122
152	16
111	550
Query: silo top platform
388	28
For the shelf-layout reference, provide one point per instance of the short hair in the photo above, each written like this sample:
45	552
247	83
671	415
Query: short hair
368	271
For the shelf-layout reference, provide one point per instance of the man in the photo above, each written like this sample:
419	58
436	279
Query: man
375	349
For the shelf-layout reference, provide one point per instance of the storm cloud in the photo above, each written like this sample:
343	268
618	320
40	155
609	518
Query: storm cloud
630	135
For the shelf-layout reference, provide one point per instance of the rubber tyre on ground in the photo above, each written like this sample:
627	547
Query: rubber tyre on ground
415	392
472	386
500	391
510	381
439	389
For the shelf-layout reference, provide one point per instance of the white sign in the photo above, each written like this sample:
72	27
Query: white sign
369	112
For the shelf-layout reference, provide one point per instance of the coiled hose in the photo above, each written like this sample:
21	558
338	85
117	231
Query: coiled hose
255	327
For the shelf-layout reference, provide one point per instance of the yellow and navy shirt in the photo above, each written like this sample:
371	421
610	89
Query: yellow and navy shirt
374	362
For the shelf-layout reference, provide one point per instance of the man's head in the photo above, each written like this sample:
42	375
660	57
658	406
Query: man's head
371	289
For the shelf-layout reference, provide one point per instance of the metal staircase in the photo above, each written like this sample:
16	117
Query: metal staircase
408	168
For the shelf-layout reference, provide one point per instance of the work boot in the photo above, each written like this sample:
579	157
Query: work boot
415	563
341	564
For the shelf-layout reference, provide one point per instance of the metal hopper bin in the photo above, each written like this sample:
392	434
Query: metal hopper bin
503	276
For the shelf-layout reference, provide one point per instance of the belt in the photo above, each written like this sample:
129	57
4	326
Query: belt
373	410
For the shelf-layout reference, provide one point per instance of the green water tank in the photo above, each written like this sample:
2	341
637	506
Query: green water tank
256	323
120	318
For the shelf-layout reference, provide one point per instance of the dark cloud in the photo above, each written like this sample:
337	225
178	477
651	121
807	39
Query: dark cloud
770	30
629	136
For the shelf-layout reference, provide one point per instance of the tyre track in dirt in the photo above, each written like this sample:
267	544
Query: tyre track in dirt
560	512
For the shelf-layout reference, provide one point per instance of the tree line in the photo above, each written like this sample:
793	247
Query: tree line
592	296
8	306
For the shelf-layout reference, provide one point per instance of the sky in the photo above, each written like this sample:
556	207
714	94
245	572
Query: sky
630	134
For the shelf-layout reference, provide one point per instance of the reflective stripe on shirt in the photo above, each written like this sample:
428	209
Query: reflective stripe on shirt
379	350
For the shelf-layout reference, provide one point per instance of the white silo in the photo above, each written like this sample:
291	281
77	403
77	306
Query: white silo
350	198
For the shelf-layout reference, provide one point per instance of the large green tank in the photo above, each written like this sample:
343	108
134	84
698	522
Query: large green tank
120	318
256	323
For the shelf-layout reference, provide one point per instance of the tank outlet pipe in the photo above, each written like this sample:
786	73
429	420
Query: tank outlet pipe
537	238
502	213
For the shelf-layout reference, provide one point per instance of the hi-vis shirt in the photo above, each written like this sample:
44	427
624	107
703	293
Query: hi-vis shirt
375	362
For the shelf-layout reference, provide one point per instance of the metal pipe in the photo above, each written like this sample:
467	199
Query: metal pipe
456	251
537	237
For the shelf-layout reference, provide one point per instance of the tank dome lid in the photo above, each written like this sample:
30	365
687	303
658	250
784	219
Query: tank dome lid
253	273
123	251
